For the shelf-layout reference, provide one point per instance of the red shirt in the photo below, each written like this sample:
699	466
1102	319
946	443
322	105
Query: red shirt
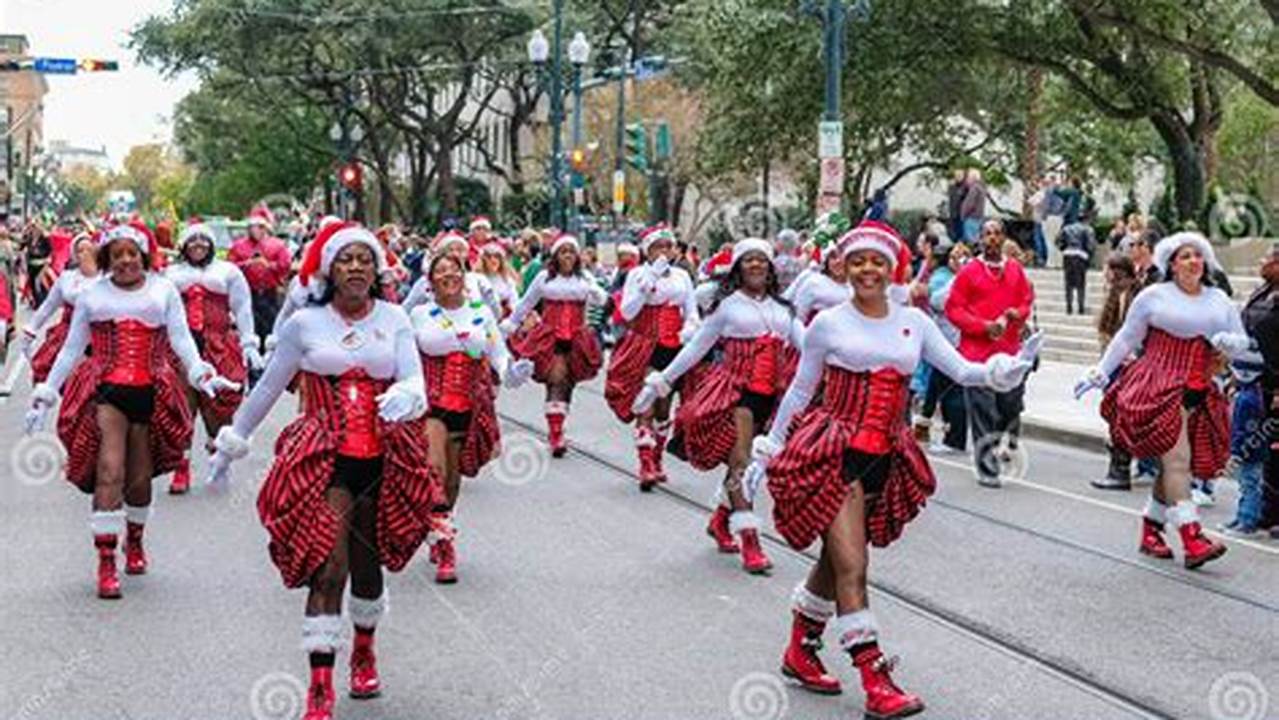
262	277
979	296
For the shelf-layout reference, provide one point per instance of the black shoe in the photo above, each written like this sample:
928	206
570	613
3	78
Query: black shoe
1112	483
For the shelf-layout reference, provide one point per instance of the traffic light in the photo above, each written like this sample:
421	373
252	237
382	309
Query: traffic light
637	146
99	65
577	160
351	177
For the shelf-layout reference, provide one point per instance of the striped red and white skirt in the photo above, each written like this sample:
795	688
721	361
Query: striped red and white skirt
1171	380
171	424
291	504
811	477
704	430
45	355
562	331
654	331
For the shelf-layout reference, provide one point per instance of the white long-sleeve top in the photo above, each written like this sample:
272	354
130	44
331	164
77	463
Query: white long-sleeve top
562	288
224	278
66	289
156	304
317	339
644	286
1169	308
504	290
739	316
473	331
842	336
477	286
818	292
294	300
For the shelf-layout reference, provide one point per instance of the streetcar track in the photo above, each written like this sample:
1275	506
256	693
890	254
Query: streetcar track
1064	670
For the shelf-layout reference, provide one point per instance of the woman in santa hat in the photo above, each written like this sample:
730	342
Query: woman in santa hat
124	417
352	488
736	396
847	470
496	268
477	285
219	313
78	274
659	306
1165	403
460	343
826	287
563	348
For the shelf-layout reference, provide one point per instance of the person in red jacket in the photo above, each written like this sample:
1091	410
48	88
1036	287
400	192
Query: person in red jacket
266	264
989	303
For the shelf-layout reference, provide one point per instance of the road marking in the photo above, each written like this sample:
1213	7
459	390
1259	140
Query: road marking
1114	507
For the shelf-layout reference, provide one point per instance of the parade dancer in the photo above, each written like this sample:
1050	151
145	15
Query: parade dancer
563	348
848	470
351	489
736	396
456	336
477	286
495	268
825	288
219	313
659	306
1164	403
66	289
124	417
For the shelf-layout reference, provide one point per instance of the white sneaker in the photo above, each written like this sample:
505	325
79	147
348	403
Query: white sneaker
937	447
1201	498
1144	479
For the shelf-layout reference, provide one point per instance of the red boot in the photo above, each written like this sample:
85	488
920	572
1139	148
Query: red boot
644	446
1198	548
446	563
320	698
556	412
800	661
108	580
661	434
364	679
718	530
135	557
1152	540
181	481
883	698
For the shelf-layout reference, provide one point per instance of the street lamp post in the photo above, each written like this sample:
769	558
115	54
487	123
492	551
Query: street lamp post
539	51
579	52
346	139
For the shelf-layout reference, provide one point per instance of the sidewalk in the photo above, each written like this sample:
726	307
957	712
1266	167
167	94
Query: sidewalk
1053	414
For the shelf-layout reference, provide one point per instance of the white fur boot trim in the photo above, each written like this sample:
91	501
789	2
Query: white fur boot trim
644	438
366	613
804	602
742	520
856	628
107	522
1155	511
137	514
556	407
1183	513
321	633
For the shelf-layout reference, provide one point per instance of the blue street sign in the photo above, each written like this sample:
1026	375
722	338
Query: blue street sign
56	66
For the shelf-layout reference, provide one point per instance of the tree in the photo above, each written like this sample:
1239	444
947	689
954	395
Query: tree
158	177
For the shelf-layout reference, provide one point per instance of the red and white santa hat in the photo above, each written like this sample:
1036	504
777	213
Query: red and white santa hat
882	238
195	230
480	222
140	235
1165	249
749	245
625	248
565	240
446	239
318	260
655	233
261	216
493	247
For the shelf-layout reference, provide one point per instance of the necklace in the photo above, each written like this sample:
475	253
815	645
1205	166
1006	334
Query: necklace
353	339
472	327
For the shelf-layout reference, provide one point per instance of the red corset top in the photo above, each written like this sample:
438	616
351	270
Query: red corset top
450	381
661	322
875	401
127	347
565	316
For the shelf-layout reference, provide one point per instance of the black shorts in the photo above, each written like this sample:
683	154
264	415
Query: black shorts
137	403
360	476
662	356
870	470
1191	399
761	407
563	347
455	423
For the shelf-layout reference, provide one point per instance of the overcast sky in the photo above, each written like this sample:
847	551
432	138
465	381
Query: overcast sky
119	109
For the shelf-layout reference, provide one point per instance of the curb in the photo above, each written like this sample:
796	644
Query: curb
1081	439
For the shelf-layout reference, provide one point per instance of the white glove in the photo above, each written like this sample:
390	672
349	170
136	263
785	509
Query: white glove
219	476
1005	372
655	387
1232	344
270	343
43	394
753	478
27	342
253	359
508	327
687	332
229	446
36	419
517	373
661	265
211	385
1030	348
1091	379
400	403
763	449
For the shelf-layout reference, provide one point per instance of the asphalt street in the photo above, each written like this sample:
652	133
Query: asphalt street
579	597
